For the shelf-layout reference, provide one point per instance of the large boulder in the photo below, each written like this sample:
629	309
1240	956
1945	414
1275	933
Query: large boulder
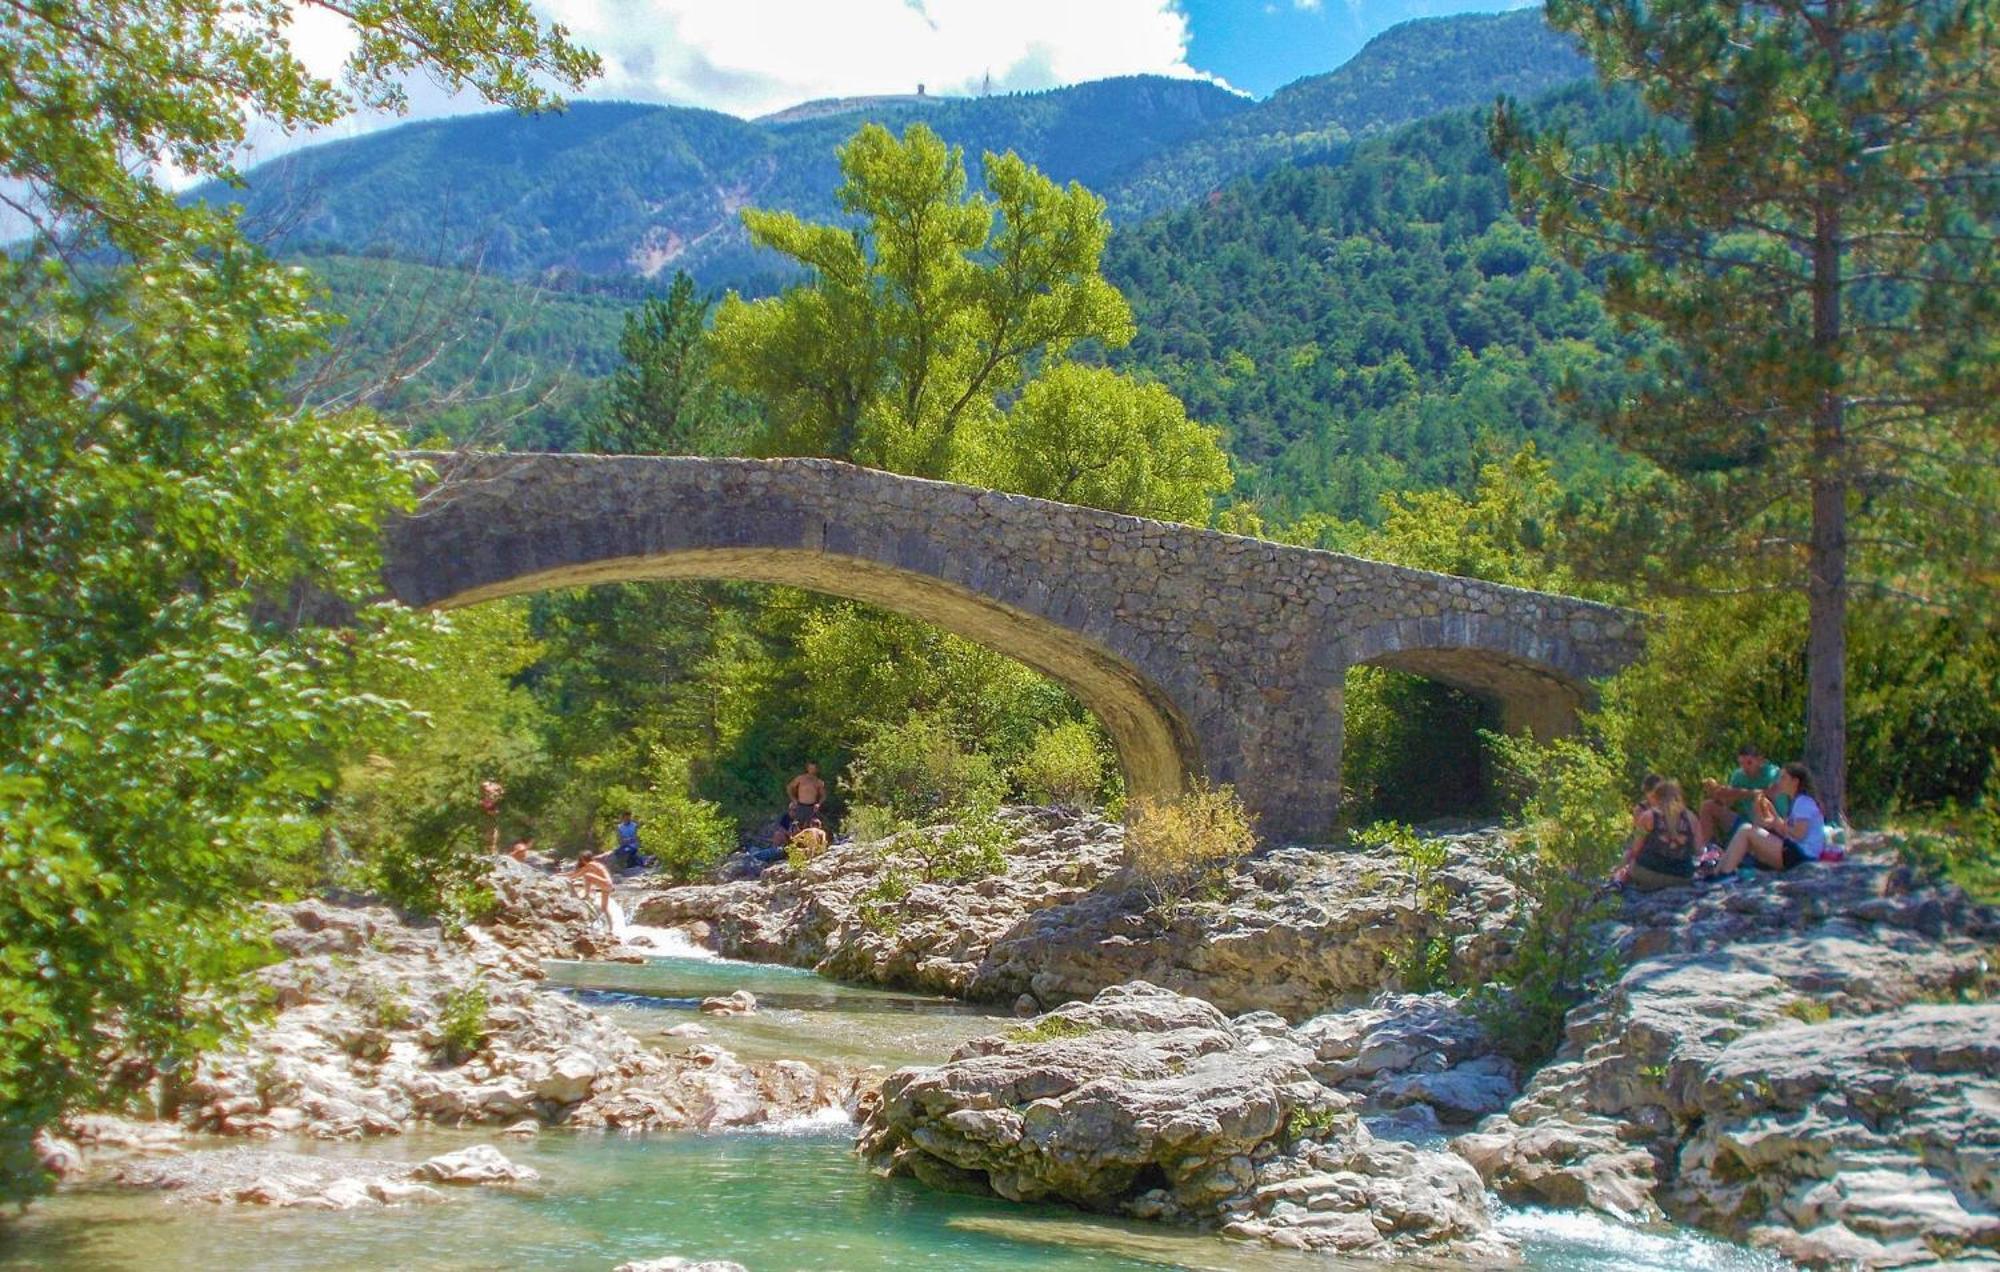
828	914
1873	1141
1655	1107
1149	1103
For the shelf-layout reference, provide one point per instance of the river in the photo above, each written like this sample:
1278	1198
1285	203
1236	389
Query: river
790	1197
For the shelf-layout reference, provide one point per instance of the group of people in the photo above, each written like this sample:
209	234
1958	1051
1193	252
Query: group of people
1763	816
800	828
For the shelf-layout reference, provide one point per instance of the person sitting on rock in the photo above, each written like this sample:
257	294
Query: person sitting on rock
1774	840
1727	806
1662	851
627	853
590	879
522	847
808	841
1649	792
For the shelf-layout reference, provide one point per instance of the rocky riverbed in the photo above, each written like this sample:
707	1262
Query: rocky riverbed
381	1025
1808	1062
1293	931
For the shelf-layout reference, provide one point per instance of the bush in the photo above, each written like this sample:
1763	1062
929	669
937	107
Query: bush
918	769
1958	845
462	1023
1574	821
1424	963
1063	766
1177	847
684	835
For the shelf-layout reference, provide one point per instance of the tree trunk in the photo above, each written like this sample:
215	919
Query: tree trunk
1826	557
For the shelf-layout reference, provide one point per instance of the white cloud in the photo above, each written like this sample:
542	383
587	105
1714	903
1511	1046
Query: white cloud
754	56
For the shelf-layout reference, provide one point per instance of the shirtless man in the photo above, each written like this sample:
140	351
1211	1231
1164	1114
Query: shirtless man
590	879
804	794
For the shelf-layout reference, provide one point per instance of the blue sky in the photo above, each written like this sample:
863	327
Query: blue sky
752	57
1260	45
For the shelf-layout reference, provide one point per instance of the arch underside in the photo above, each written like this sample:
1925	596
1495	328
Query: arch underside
1531	697
1156	747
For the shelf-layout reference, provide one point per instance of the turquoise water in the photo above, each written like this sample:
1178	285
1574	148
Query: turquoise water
773	1201
800	1015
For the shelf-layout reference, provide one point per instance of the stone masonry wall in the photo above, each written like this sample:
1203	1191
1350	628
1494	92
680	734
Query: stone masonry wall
1203	653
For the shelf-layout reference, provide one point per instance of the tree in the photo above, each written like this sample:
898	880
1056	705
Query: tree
664	399
917	321
1088	435
169	722
1816	237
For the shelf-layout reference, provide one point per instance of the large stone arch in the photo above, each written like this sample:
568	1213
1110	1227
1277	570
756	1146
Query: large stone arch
1203	653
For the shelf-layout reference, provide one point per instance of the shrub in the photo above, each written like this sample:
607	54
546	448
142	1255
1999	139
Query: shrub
462	1022
1574	818
1424	963
684	835
1176	847
972	846
1959	845
881	904
1063	766
917	770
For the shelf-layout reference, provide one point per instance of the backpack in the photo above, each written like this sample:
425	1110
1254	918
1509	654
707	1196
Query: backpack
1661	852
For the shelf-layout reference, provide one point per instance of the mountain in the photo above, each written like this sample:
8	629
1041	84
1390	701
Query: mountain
1365	324
618	190
1408	72
615	189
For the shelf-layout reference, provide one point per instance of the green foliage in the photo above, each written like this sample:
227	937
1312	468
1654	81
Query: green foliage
1425	964
1573	818
1959	843
1377	325
462	1022
1817	241
663	399
914	325
1088	435
1411	747
1064	765
407	807
972	845
172	519
881	903
1177	848
1049	1029
919	770
683	834
1311	1123
383	1005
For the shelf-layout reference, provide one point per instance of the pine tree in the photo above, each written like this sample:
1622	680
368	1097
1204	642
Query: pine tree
1814	231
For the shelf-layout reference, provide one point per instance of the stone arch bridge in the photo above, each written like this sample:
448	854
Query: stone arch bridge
1202	653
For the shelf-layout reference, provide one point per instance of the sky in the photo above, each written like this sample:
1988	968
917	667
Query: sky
751	57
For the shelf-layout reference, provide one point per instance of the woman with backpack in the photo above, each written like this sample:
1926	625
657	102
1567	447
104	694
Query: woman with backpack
1665	839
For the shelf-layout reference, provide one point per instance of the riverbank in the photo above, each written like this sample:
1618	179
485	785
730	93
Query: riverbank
1806	1062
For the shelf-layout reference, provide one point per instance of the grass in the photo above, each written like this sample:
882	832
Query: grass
1809	1011
1049	1029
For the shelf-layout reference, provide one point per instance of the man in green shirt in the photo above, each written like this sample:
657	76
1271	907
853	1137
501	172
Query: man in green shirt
1727	805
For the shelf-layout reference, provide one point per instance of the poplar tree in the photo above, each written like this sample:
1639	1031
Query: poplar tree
1813	229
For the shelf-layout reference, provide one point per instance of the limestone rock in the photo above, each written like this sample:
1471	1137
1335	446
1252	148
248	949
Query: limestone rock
740	1002
480	1164
1772	1067
1150	1103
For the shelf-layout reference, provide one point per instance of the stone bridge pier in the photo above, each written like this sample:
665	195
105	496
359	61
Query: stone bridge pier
1204	654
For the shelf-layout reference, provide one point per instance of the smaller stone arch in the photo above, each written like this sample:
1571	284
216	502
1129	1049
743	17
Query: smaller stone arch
1536	676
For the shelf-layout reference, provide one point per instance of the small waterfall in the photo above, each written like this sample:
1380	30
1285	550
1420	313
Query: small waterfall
657	941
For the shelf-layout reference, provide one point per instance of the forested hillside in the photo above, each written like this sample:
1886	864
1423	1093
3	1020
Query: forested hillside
1355	327
1359	328
1409	72
619	190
